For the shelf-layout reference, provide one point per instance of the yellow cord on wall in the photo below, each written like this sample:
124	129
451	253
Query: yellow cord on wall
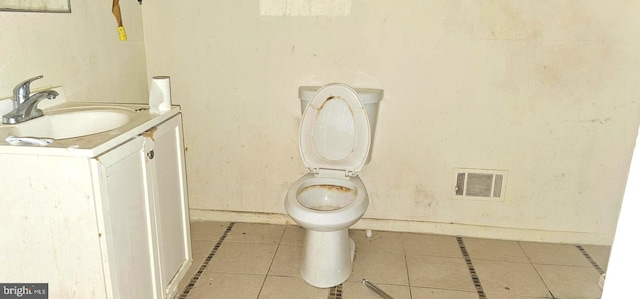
115	9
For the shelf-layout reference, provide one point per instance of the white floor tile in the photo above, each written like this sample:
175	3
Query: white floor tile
380	267
278	287
571	282
293	235
207	230
497	250
287	261
439	272
227	285
243	258
554	254
255	233
508	278
379	241
352	289
433	245
427	293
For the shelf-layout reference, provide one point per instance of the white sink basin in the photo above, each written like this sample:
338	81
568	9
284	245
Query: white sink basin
73	124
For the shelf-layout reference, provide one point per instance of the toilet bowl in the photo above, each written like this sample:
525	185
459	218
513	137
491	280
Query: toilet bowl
326	204
335	138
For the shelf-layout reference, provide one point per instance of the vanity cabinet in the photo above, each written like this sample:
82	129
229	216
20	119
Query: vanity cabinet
111	226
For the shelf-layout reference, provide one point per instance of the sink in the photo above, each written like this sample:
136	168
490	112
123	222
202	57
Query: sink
79	129
71	124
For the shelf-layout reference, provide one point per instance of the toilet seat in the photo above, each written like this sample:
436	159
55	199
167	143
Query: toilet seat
335	135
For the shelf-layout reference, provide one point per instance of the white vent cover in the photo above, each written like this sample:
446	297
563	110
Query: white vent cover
483	184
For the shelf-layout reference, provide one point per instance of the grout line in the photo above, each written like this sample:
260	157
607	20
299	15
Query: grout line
472	270
196	276
406	267
335	292
590	259
406	264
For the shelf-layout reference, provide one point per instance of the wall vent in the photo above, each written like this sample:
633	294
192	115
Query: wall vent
482	184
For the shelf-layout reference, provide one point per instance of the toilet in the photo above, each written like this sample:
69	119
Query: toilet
335	141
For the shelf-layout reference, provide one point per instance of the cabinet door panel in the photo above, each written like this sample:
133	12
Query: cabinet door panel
128	221
170	201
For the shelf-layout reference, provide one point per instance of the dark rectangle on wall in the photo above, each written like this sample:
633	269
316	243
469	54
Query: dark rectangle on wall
24	290
479	184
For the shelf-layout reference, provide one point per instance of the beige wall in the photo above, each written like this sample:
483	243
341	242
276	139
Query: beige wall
545	90
79	51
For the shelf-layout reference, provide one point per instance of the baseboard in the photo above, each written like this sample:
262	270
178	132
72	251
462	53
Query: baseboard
234	216
411	226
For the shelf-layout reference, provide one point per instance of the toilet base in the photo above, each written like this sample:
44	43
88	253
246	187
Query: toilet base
327	258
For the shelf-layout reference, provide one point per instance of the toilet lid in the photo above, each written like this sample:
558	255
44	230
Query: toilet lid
335	133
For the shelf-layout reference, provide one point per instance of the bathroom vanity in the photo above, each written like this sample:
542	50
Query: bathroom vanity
102	215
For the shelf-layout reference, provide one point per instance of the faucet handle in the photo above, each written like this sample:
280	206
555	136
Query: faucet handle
22	91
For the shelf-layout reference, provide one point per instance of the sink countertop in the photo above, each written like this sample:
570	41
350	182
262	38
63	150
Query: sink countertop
89	145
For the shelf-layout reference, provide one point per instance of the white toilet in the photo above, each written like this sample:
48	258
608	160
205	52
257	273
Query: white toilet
336	134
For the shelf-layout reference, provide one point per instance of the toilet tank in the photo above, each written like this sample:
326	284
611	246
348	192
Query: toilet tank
370	97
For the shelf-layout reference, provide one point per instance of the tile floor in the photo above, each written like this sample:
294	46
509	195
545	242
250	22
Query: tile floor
244	260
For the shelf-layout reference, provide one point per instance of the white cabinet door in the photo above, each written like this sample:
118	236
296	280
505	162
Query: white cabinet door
170	201
128	222
143	203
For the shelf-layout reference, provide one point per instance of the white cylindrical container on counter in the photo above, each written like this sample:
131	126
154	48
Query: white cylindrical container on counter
160	94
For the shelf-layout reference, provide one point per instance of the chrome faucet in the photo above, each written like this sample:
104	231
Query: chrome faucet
25	104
